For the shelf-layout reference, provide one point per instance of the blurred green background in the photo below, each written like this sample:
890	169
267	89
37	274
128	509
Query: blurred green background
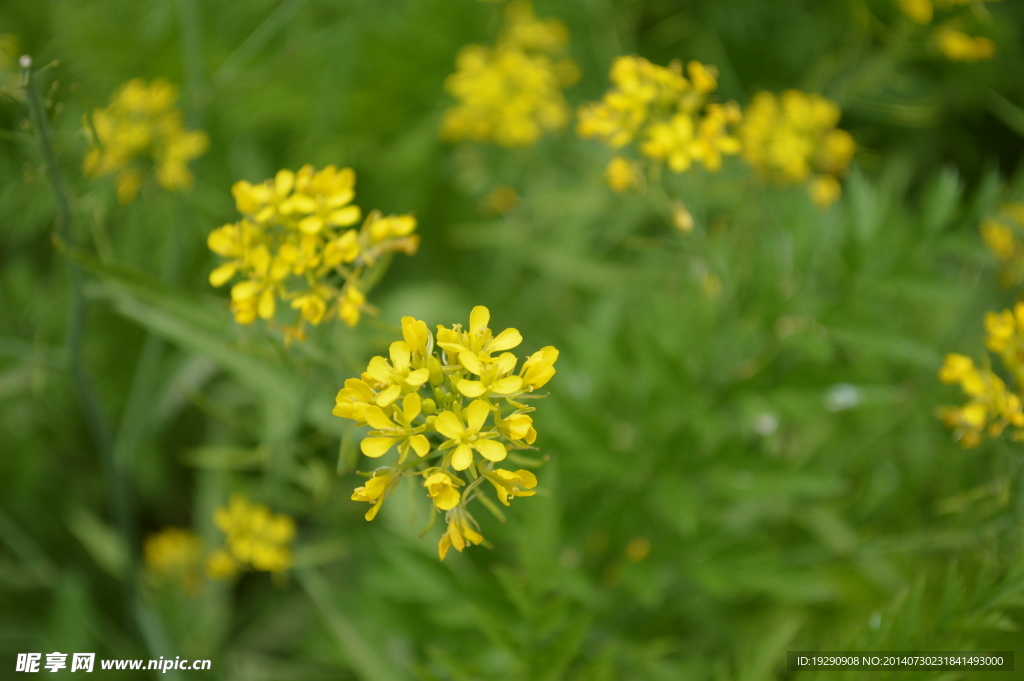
753	402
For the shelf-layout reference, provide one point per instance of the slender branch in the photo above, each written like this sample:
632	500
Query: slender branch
116	486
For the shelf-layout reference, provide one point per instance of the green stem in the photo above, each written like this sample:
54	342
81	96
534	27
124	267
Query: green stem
118	497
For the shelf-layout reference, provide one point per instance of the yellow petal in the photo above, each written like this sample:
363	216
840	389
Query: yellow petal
463	458
223	274
379	369
506	340
420	444
507	386
376	417
418	377
311	225
491	449
349	215
471	362
411	407
471	388
401	355
479	318
389	395
448	499
477	413
376	446
449	425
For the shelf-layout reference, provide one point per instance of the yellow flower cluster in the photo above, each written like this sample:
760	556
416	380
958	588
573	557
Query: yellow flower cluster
296	243
174	555
951	42
511	93
1000	234
142	122
456	401
254	538
666	113
992	405
791	137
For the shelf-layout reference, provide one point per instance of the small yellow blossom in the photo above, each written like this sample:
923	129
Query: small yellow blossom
502	201
509	484
959	46
666	113
1001	235
622	174
254	536
296	243
460	532
142	122
174	555
220	565
511	94
442	487
918	10
790	137
448	400
638	549
377	489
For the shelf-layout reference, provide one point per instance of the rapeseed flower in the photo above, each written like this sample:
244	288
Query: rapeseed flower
139	132
1001	234
992	405
511	93
297	243
666	113
455	399
792	137
254	537
949	40
174	555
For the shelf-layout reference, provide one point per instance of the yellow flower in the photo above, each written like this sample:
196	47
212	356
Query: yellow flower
791	137
141	122
479	340
668	114
441	487
918	10
509	484
621	174
377	489
465	434
398	377
468	377
539	368
959	46
459	533
296	243
400	430
220	565
352	400
255	536
174	554
511	94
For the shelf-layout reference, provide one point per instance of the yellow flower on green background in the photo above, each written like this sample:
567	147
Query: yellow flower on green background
254	536
449	399
511	94
792	138
174	555
297	243
141	130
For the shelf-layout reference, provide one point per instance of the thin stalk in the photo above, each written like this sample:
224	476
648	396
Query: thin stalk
118	497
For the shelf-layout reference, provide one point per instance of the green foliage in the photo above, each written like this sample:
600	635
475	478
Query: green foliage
756	399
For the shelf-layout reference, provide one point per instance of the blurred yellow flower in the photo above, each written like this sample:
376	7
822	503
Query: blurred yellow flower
918	10
959	46
174	555
1001	235
448	401
665	113
511	94
296	243
788	138
141	122
254	537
